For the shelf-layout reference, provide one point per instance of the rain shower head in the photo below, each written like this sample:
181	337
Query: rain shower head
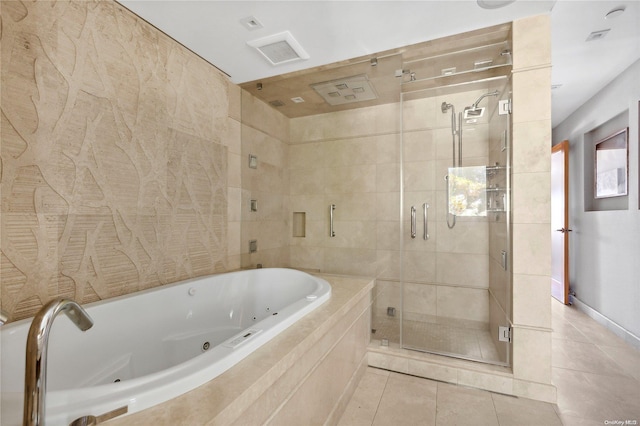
473	111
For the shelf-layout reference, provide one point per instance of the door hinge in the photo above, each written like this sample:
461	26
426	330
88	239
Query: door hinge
504	334
504	107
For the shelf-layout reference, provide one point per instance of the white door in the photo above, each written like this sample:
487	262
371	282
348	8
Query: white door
560	222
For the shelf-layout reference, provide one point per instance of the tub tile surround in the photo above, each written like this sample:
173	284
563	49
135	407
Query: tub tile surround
316	364
117	149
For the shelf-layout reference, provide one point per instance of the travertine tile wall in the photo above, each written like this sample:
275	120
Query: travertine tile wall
347	159
265	134
352	159
531	207
115	144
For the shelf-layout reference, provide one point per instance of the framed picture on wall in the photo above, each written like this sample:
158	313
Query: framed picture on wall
612	165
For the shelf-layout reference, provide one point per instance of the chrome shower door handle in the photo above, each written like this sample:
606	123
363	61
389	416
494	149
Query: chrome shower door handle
413	221
332	233
425	217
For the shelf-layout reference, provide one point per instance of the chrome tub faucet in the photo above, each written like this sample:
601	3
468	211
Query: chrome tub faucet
35	378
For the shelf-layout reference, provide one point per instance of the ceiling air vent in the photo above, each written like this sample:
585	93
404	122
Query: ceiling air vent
279	48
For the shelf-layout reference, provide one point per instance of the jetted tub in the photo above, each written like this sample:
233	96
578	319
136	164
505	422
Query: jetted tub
148	347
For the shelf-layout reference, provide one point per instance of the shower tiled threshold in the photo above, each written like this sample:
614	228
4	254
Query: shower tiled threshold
458	371
441	338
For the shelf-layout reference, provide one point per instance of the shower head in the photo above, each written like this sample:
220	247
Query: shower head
475	104
473	111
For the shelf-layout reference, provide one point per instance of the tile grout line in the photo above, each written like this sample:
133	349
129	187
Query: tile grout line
375	414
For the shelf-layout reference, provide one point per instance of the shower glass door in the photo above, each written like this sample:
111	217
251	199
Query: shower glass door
455	230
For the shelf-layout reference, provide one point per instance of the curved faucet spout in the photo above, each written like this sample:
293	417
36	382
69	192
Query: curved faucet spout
35	378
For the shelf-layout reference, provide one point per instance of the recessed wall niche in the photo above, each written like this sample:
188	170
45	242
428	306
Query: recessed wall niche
606	129
299	224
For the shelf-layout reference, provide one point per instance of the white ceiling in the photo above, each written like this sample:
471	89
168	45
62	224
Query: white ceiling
332	31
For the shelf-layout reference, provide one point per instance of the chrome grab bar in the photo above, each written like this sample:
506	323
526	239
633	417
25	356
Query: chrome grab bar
332	233
413	221
425	217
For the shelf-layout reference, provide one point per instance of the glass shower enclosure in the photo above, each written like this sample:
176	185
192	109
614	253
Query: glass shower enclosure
454	289
455	227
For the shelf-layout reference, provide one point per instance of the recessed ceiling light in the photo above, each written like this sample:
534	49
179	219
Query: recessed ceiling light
251	23
297	100
494	4
615	12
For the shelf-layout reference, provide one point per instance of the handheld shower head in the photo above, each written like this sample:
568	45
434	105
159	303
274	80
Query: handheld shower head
445	107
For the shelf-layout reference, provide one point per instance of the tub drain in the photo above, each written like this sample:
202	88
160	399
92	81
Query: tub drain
116	380
206	346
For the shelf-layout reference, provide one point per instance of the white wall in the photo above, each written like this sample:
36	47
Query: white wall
605	245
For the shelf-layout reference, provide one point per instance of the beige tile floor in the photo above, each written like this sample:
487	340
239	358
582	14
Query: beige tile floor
596	373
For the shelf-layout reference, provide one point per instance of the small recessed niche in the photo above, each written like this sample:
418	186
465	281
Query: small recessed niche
299	224
254	205
253	161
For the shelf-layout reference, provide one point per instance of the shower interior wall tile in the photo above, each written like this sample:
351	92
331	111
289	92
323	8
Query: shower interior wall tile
419	176
466	237
388	264
376	120
387	177
311	258
350	179
352	261
419	267
388	148
352	206
469	270
351	152
463	304
420	114
262	117
420	299
421	145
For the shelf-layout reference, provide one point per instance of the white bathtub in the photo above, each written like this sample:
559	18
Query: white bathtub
149	347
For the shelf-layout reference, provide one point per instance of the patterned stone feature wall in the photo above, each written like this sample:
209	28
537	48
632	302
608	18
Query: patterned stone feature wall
113	156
